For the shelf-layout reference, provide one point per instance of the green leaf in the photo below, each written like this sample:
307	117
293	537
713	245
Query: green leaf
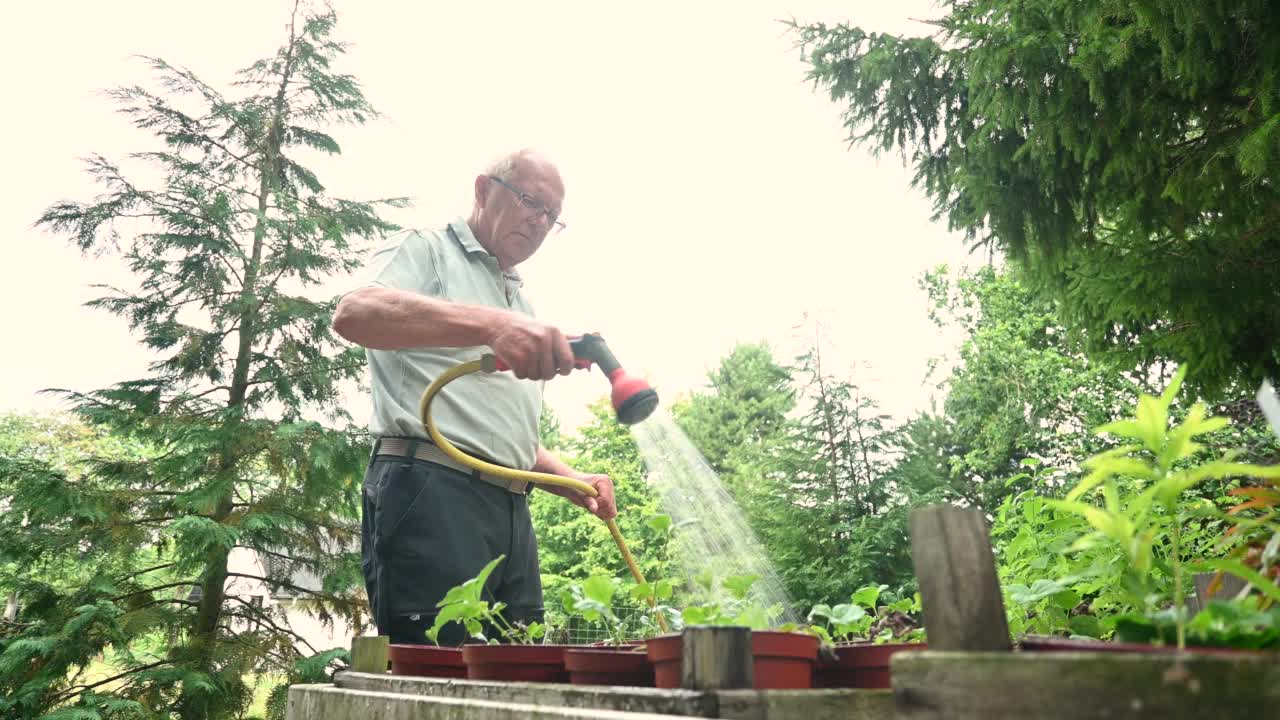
867	596
659	523
1085	625
740	585
1067	599
600	589
847	614
1124	428
753	617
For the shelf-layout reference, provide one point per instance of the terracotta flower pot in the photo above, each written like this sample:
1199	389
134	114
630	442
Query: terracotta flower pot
864	665
527	663
621	665
664	653
427	661
1052	643
782	661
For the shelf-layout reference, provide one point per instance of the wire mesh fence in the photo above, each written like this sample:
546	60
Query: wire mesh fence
577	631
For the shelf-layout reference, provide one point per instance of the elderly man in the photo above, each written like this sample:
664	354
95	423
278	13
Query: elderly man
432	300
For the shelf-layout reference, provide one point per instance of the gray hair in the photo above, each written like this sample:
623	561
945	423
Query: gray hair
508	166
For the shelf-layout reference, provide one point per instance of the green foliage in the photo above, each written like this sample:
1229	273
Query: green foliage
1122	153
593	601
1020	387
865	618
736	608
1242	624
465	604
574	545
1142	487
234	425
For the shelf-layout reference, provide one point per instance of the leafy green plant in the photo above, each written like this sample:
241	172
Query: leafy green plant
1242	623
865	618
735	609
465	605
1044	586
592	600
1256	531
1142	484
661	616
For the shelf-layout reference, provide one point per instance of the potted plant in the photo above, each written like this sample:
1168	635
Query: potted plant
427	661
620	659
523	658
859	638
1134	498
782	659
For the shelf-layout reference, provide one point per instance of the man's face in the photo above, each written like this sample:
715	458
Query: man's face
515	232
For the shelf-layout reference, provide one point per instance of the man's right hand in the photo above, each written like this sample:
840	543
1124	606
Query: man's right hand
533	349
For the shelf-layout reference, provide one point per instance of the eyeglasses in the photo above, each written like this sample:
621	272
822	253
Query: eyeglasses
529	202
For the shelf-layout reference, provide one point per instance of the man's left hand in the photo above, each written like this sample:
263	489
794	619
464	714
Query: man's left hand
602	506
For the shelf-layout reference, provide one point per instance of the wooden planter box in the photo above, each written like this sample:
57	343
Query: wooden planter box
1076	685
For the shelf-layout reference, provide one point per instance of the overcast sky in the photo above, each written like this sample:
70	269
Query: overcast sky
711	195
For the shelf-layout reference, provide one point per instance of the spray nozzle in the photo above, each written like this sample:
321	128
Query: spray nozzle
632	397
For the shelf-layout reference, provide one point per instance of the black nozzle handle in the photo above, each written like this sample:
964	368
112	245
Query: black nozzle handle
592	347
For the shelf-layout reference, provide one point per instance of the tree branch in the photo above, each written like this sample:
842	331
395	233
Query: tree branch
280	583
67	694
118	598
266	618
147	570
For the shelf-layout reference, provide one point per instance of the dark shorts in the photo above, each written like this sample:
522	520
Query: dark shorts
427	528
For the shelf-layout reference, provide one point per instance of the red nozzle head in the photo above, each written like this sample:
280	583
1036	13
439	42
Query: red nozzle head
633	398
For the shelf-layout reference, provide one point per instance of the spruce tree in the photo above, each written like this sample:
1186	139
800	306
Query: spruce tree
249	445
1123	154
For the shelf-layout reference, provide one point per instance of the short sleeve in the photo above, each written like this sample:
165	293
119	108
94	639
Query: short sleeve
405	261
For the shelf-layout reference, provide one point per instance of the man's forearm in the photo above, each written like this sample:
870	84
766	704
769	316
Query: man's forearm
548	462
389	319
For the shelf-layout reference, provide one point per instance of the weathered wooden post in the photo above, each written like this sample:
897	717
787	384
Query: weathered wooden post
968	672
717	658
370	654
959	588
1228	586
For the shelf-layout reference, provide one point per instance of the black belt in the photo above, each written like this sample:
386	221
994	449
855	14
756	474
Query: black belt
423	449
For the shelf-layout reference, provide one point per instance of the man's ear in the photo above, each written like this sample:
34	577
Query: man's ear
482	190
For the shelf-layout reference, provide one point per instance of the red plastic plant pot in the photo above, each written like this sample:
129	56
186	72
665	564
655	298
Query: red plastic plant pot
782	661
609	666
864	665
427	661
524	663
665	654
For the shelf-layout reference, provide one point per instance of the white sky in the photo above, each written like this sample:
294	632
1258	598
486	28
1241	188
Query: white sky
711	197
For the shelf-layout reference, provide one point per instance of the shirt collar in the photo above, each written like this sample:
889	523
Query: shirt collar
463	235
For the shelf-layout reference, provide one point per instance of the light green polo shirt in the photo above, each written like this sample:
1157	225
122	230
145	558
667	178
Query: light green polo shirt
491	414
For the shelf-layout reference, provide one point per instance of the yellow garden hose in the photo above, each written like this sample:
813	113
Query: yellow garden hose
487	363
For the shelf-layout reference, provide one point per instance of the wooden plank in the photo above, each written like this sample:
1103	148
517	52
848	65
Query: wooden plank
370	654
1230	585
629	699
959	589
326	702
838	704
717	658
1074	685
